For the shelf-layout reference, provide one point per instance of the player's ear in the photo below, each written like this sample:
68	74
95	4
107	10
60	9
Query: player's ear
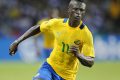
84	11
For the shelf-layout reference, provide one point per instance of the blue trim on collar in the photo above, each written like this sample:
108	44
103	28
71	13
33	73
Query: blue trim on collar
82	26
65	20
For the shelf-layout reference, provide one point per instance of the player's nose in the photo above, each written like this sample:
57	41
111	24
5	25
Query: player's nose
78	12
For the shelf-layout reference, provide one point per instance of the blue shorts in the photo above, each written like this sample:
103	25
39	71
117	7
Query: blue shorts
46	72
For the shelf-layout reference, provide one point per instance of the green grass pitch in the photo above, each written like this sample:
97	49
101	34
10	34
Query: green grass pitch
21	71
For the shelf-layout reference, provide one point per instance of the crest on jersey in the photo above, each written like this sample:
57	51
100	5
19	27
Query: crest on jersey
77	42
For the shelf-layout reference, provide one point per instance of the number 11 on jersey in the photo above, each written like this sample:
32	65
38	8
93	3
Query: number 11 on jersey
65	47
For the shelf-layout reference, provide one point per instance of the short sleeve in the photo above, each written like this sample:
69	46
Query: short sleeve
88	46
47	25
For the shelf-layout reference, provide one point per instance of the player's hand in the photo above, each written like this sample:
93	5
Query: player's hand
74	49
13	48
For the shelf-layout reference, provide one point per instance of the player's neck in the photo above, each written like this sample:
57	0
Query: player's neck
74	23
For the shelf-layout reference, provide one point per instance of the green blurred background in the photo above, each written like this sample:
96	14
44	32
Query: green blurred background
22	71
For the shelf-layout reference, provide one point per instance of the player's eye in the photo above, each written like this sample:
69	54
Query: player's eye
82	10
76	9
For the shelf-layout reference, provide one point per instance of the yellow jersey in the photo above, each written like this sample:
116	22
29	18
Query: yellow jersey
66	64
48	36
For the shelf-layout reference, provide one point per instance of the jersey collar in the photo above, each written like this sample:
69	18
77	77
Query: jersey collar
66	20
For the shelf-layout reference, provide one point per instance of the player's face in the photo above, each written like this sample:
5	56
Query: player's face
76	10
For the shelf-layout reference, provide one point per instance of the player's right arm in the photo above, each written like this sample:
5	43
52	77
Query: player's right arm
30	32
45	26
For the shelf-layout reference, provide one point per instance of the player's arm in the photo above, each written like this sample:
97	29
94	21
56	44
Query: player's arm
85	52
30	32
85	60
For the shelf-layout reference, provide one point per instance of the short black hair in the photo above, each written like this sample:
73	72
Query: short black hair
78	0
82	1
72	1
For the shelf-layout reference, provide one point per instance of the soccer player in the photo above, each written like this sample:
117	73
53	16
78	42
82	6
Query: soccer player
73	44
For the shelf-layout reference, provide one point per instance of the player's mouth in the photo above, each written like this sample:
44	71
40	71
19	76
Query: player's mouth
77	17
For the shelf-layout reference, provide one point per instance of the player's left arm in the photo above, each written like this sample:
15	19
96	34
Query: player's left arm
84	53
85	60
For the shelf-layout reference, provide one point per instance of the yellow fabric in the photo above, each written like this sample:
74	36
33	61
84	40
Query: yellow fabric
66	64
48	36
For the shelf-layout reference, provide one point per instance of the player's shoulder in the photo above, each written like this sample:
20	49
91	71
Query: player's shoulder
57	20
42	20
85	28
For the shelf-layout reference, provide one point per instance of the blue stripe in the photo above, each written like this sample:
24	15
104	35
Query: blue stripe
65	20
82	26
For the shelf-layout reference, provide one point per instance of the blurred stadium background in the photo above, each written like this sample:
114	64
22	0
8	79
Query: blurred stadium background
16	16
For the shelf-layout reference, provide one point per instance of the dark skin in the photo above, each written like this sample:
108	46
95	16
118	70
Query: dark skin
76	10
31	32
